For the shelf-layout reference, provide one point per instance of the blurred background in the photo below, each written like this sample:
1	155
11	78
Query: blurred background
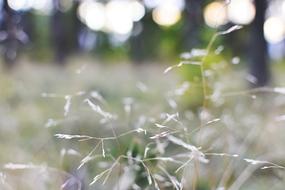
140	62
136	30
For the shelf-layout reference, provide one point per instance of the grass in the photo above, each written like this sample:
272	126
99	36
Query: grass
132	127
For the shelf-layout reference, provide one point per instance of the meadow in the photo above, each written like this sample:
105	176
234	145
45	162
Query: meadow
122	126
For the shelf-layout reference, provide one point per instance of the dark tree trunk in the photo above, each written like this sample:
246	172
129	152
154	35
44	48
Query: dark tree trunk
58	33
10	28
258	47
193	23
76	25
145	44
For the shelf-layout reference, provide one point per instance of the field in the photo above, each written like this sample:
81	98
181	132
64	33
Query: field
122	126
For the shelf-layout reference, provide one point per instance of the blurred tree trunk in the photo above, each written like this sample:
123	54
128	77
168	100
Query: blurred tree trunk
10	28
145	40
258	47
193	23
76	26
58	33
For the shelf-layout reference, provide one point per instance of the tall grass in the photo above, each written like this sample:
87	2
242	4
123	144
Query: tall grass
175	149
150	138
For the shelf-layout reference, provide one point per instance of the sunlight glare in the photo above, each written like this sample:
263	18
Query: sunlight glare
119	17
20	5
274	30
92	14
138	10
241	11
166	14
215	14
